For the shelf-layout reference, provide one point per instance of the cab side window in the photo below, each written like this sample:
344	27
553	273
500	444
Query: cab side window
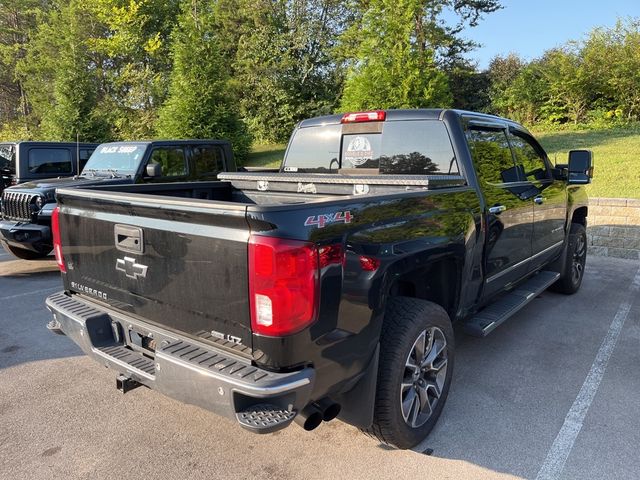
527	155
416	148
172	160
207	160
491	155
50	160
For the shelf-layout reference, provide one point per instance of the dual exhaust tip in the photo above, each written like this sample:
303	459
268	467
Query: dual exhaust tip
311	416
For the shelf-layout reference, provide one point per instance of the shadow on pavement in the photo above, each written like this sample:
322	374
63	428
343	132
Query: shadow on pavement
32	342
24	338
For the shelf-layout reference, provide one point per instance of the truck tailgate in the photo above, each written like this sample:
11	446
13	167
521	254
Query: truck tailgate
178	263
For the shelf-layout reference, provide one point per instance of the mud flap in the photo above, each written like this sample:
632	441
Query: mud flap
358	403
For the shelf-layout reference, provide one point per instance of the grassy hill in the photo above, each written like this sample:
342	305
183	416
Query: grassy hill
616	154
616	157
266	155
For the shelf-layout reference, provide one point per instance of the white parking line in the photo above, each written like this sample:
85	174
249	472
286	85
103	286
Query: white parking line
563	444
44	290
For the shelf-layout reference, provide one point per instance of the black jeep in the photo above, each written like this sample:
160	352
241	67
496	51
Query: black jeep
25	228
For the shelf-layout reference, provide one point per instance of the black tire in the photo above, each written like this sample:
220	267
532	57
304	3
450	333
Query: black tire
26	254
406	319
575	261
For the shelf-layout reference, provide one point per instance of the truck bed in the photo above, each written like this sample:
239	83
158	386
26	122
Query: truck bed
265	188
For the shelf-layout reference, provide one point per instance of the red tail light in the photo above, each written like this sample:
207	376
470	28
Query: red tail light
283	285
357	117
369	264
331	255
57	244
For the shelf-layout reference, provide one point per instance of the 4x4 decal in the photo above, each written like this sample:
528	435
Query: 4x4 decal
325	219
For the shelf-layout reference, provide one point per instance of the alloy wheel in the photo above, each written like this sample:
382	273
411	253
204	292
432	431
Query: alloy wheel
424	376
579	256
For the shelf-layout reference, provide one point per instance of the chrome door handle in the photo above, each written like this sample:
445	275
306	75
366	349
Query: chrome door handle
497	209
539	200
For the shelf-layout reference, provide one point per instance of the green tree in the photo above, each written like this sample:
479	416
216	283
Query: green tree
135	62
391	68
528	94
470	89
596	54
624	78
17	23
281	53
611	62
400	48
567	85
594	80
201	101
518	89
60	75
96	68
502	72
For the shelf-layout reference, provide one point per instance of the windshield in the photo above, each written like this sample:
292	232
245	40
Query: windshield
7	157
115	158
408	147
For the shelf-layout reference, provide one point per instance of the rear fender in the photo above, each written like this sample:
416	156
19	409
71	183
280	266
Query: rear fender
359	401
435	276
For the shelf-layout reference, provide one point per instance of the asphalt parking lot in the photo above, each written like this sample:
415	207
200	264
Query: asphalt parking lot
553	393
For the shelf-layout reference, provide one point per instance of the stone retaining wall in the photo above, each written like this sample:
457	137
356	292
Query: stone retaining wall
613	227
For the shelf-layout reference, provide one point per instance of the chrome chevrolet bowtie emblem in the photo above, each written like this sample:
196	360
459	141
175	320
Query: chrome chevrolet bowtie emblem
130	268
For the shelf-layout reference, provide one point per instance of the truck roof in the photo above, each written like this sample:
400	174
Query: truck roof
406	114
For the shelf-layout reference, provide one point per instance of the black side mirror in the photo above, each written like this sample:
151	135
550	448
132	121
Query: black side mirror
154	170
580	166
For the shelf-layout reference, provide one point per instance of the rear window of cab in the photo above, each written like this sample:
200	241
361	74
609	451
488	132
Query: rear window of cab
404	147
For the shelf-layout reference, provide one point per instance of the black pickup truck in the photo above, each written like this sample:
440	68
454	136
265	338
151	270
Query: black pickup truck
330	288
25	226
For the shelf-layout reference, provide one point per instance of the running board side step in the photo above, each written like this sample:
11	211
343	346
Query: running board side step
485	321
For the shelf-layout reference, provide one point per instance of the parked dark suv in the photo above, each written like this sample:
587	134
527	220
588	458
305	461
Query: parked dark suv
25	226
25	161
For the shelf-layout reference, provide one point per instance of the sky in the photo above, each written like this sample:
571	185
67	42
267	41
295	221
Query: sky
528	28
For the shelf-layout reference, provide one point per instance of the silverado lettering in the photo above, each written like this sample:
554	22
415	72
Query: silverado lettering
88	290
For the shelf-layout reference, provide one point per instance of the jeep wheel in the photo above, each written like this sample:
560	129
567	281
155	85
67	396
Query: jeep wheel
571	276
27	254
416	365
